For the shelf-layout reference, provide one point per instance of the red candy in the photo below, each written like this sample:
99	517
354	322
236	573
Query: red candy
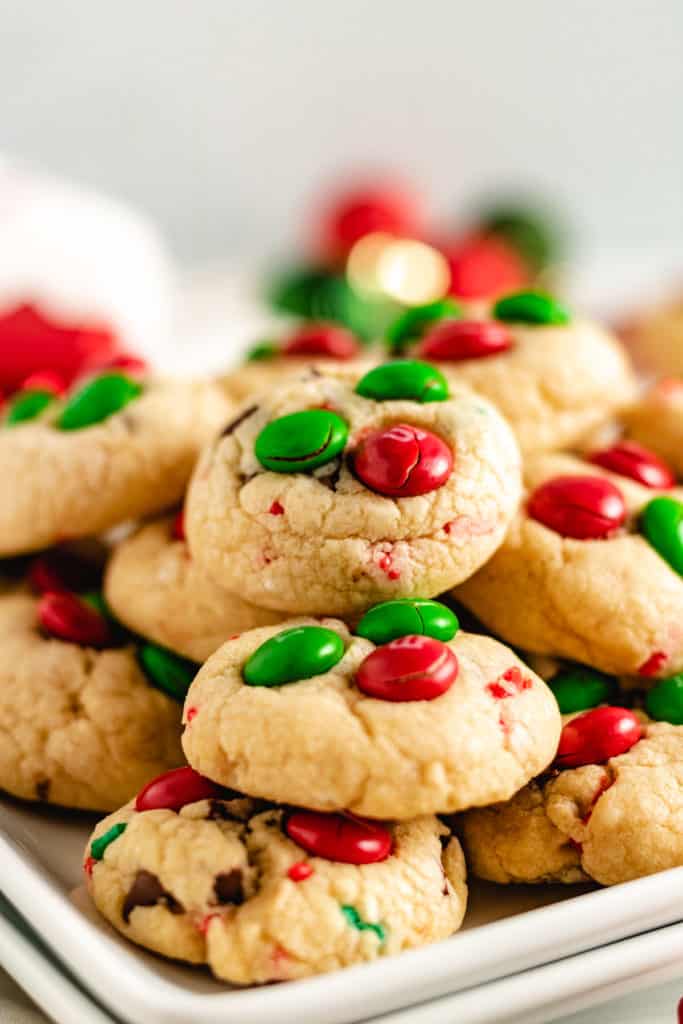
403	461
597	735
325	340
465	339
582	507
126	362
66	617
30	342
337	837
483	266
57	571
44	380
175	789
178	529
409	668
380	207
630	459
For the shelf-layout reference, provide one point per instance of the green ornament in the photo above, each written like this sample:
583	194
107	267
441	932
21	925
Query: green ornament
578	688
99	398
357	922
292	655
664	701
529	231
99	845
28	405
166	670
301	441
408	616
262	352
530	308
404	378
661	525
411	324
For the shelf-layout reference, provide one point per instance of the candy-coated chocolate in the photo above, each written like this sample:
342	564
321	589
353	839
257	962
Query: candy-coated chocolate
404	379
407	616
661	522
58	570
175	789
483	266
529	231
99	845
596	736
408	668
628	458
28	405
178	529
44	380
664	701
99	398
126	362
262	351
530	308
166	670
339	837
403	461
329	341
70	618
578	688
301	441
455	340
413	322
357	212
581	507
292	655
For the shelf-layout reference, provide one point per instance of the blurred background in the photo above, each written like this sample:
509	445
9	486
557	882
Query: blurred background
221	117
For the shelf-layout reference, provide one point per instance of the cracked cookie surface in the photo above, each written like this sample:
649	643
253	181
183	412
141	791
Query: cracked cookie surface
322	542
220	882
322	743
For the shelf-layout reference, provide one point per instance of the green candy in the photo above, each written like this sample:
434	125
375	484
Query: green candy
301	441
660	523
98	846
665	700
167	671
408	616
404	378
531	232
578	688
316	294
261	352
294	654
357	922
99	398
530	308
414	322
27	406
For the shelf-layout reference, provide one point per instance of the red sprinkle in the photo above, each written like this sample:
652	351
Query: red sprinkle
455	340
88	865
403	461
654	663
408	668
44	380
276	509
640	464
204	923
319	339
66	617
300	871
190	714
175	789
350	840
386	565
509	684
580	507
596	736
178	528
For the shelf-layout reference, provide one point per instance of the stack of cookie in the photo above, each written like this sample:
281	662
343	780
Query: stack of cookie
337	723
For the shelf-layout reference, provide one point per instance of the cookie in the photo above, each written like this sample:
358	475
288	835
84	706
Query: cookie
154	587
319	499
267	895
607	817
588	568
113	449
402	725
80	723
657	422
655	337
553	377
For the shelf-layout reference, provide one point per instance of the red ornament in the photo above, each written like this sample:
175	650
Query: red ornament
483	267
44	380
178	528
175	789
640	464
582	507
409	668
300	871
66	617
454	340
597	735
337	837
349	216
31	342
326	340
403	461
59	570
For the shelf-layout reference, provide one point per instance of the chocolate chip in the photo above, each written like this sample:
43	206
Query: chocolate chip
43	789
220	811
234	424
228	887
147	891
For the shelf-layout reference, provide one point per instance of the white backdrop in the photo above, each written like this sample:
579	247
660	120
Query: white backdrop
218	116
